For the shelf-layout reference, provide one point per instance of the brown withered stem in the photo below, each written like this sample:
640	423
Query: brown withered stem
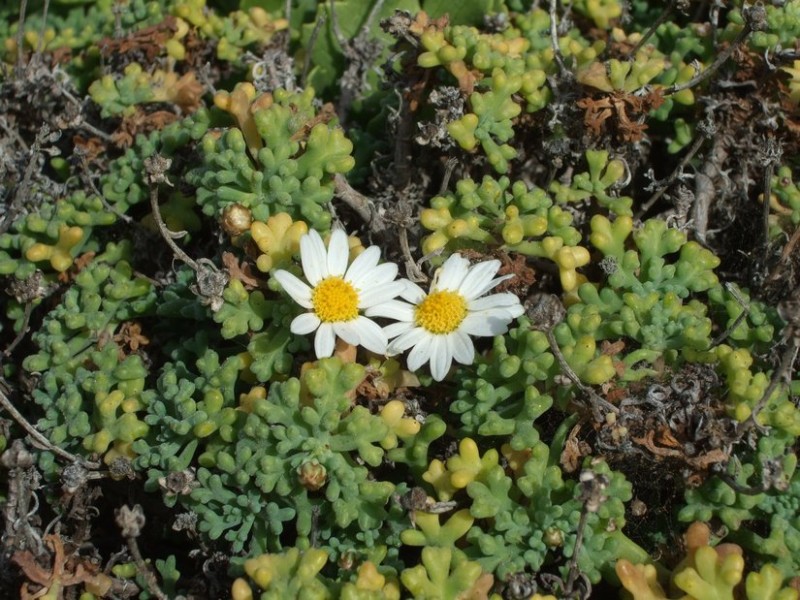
38	438
706	131
353	198
755	19
131	521
545	311
211	281
648	34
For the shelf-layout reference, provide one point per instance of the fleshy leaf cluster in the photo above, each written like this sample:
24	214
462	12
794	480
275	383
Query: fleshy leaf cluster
512	216
706	572
282	157
53	235
293	457
91	389
758	501
647	295
524	519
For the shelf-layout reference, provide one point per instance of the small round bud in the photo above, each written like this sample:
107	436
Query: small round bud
638	508
312	475
236	219
553	537
347	561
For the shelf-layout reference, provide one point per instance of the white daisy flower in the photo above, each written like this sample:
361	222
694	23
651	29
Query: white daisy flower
436	326
336	294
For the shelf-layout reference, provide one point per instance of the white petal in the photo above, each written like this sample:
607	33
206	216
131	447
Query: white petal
348	331
298	290
363	264
504	314
516	310
461	346
420	353
304	324
372	336
491	284
413	293
477	278
483	324
338	253
451	274
411	337
395	330
505	300
324	341
380	293
313	257
386	272
441	359
377	276
392	309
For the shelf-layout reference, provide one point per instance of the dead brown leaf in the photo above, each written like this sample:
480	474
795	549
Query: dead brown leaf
423	22
78	265
326	114
150	40
90	148
574	450
186	92
704	461
611	348
64	572
130	337
623	112
614	394
480	589
243	271
141	122
648	441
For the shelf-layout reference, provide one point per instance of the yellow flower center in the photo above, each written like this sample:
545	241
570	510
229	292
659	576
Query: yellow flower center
441	312
335	300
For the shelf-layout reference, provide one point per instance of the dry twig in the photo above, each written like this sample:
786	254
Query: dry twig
755	19
130	521
210	280
545	311
39	439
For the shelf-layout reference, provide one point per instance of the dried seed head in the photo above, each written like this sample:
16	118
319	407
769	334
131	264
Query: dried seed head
156	168
28	289
178	483
755	17
210	284
520	585
73	477
130	520
185	522
593	487
121	468
17	456
415	499
545	311
638	508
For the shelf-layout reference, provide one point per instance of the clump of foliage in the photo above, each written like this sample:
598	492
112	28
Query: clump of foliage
706	572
